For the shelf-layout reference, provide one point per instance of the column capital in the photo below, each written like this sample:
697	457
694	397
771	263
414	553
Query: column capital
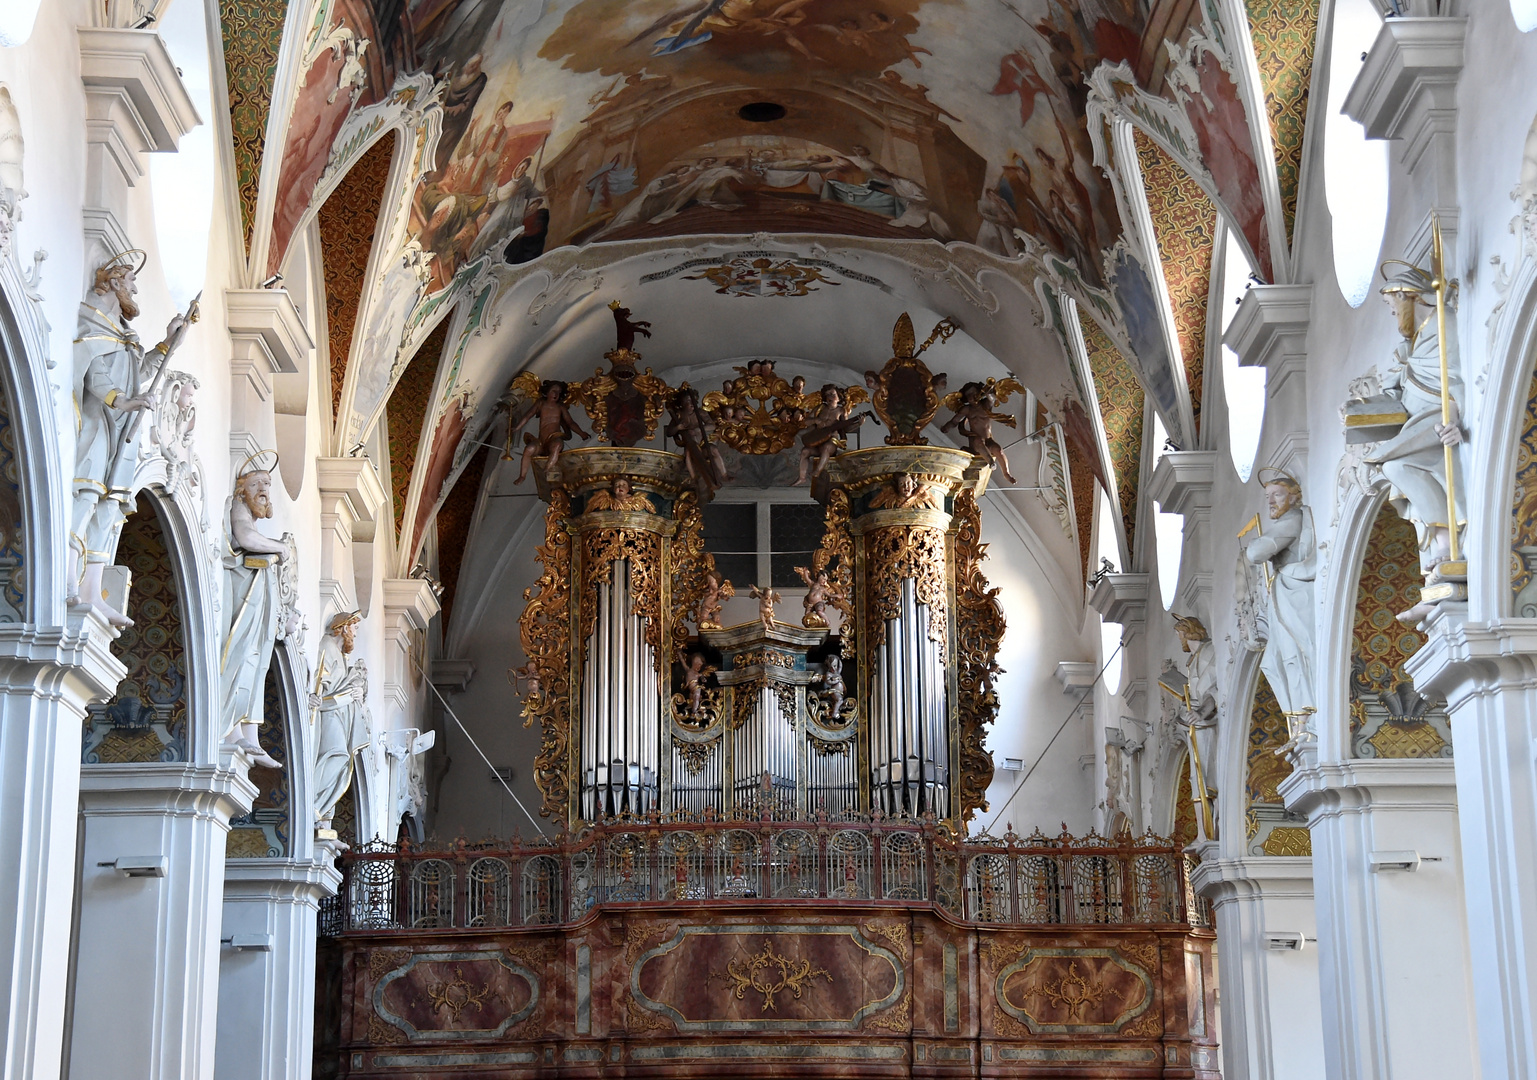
173	789
298	881
1182	481
351	491
1350	787
409	603
1407	88
1460	658
1121	598
267	328
135	100
1270	330
452	676
1223	880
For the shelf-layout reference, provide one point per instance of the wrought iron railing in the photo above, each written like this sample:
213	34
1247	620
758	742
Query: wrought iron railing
1007	881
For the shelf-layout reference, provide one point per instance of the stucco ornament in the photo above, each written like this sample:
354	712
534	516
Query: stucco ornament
1285	551
341	688
115	381
252	604
12	149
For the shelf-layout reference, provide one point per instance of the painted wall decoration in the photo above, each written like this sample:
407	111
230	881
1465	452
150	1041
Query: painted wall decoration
13	540
407	410
1184	225
253	34
146	720
1270	828
1284	32
1121	404
1388	717
1523	513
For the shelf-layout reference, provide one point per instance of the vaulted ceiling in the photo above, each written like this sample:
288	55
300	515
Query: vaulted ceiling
488	174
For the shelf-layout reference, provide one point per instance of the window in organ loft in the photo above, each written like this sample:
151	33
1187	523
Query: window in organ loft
731	535
795	532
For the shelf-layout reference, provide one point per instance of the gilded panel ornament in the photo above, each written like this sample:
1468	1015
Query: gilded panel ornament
457	995
382	1034
747	276
905	393
1523	512
769	975
979	628
545	632
638	1019
382	961
896	933
1149	1025
1008	1027
759	412
896	1018
766	658
899	552
623	404
1288	840
828	748
601	548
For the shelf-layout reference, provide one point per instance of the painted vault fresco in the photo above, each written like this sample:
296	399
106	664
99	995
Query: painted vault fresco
534	125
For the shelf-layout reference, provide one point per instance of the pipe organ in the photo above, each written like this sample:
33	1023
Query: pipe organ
647	706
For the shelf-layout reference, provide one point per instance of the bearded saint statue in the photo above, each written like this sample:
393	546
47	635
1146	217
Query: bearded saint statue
251	580
339	704
112	385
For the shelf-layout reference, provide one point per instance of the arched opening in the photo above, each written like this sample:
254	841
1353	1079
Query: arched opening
13	537
1269	828
267	831
147	719
1355	167
1388	717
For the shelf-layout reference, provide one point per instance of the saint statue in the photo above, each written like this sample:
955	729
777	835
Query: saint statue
114	382
767	597
1414	459
1288	554
341	690
251	603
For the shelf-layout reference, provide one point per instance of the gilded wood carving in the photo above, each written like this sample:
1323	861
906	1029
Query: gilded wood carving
979	627
545	632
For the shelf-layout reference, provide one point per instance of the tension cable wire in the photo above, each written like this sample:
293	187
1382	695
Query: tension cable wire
1060	728
494	770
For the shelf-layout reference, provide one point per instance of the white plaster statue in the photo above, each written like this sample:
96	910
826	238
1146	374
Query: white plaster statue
252	581
340	691
1288	546
1414	460
114	381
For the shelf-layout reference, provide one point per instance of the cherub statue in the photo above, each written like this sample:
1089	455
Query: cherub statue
767	598
619	497
824	433
833	690
717	590
527	675
974	418
819	593
555	427
701	456
627	328
907	492
695	672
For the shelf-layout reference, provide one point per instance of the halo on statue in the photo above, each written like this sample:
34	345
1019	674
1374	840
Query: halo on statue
343	619
126	258
262	461
1410	279
1272	475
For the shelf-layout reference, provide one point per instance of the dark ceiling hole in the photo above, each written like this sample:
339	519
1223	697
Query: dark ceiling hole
761	112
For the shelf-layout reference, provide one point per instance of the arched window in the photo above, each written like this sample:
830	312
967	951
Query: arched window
1109	632
16	19
1242	387
1168	531
182	184
1355	167
1525	14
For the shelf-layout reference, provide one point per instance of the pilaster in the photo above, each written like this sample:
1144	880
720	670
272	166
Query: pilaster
1272	1024
1122	598
267	964
351	500
268	339
1392	928
47	677
147	968
1407	91
409	605
1487	672
1181	484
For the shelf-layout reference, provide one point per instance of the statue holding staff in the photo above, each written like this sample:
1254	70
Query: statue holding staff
1288	553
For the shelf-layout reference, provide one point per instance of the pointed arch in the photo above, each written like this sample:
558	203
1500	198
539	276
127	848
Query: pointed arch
406	415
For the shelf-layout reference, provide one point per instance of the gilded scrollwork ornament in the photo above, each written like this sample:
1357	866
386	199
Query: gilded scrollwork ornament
642	551
545	632
979	627
835	558
905	393
761	413
899	552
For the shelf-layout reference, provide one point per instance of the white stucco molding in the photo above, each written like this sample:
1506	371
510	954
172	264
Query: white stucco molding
267	330
1328	789
1181	483
409	603
135	100
1460	659
1122	598
1224	880
350	490
452	676
1407	88
1270	330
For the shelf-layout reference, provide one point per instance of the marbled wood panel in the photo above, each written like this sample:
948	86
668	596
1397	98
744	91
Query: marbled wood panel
768	977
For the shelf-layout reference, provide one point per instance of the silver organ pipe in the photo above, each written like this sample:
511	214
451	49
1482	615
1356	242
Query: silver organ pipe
909	742
620	707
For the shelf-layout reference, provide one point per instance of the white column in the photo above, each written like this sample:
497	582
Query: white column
1272	1027
148	949
1488	675
46	679
267	966
1392	927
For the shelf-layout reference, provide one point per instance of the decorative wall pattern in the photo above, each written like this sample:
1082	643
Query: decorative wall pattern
267	830
1185	832
454	519
146	720
1081	475
1523	511
406	411
347	222
1388	717
253	33
13	537
1284	32
1185	224
1120	404
1270	828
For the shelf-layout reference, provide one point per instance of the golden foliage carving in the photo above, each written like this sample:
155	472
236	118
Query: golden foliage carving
895	933
639	1019
761	413
1148	1025
906	392
592	393
898	552
382	961
695	755
1007	1026
545	632
457	995
380	1033
769	974
979	627
895	1018
690	563
1144	956
835	557
601	548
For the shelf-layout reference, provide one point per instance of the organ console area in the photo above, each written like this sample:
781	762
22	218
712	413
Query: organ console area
762	859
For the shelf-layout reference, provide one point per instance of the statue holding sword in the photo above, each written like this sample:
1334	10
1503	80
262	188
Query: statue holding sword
115	382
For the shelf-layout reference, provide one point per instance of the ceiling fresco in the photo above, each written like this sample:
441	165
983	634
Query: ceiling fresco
954	155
